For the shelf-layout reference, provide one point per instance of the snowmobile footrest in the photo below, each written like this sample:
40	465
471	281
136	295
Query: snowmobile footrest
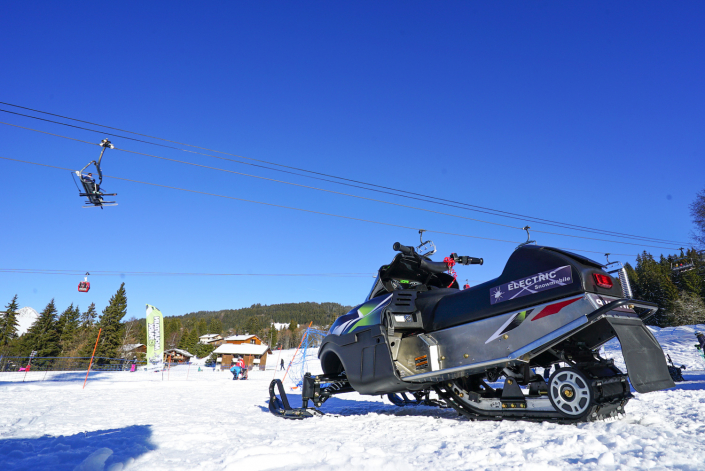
280	407
646	364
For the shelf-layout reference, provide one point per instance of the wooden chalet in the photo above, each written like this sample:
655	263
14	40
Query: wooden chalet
211	339
254	355
243	339
176	355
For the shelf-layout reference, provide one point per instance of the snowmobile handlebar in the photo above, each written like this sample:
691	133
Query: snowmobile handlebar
466	260
403	249
437	267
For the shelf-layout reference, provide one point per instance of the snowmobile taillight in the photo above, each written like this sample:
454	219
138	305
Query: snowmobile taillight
603	281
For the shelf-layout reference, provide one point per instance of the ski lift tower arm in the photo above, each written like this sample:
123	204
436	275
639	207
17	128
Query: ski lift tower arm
105	144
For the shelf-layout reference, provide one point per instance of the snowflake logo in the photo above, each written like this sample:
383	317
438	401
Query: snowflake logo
497	294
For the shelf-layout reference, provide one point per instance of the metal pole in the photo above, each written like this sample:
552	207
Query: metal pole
93	355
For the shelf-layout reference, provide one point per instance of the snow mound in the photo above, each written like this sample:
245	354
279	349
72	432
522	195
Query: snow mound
26	317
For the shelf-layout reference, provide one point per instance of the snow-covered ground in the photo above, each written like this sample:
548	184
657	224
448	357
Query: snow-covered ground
144	421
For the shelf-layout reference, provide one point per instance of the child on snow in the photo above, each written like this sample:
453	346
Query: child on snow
237	368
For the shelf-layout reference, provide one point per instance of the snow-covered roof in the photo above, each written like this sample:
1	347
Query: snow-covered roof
178	350
209	336
240	337
241	349
281	325
131	346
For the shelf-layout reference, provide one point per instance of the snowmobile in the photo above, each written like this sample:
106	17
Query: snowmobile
478	349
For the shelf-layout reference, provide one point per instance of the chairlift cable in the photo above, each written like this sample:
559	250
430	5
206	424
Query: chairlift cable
354	196
465	206
99	273
306	210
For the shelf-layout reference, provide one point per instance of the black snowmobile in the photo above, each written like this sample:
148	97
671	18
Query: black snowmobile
417	333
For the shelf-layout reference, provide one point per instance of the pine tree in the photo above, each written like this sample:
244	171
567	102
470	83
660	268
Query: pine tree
272	336
653	284
688	309
61	321
42	335
112	328
697	211
201	327
70	325
215	326
252	326
88	317
9	323
184	341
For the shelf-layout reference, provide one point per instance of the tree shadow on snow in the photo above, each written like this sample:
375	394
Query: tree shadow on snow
92	451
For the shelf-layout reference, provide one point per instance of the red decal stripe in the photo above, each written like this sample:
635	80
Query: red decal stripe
553	308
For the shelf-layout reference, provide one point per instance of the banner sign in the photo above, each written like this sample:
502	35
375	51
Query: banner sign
531	284
155	335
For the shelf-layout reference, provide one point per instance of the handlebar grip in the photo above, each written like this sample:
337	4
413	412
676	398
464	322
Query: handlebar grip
403	248
433	267
465	260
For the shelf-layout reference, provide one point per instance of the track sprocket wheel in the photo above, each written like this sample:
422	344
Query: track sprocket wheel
570	392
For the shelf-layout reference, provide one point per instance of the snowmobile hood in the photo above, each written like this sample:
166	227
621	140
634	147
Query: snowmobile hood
533	274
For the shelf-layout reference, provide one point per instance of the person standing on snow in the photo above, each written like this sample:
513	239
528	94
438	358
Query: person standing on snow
282	364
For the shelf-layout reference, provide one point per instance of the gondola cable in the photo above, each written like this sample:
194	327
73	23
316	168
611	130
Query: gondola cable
305	210
351	195
465	206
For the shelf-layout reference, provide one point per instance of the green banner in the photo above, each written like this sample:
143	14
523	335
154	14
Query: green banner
155	335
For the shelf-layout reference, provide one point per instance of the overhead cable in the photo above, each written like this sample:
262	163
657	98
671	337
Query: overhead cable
137	273
346	194
302	209
466	206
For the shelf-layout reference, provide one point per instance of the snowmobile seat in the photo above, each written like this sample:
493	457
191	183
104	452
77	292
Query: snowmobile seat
446	308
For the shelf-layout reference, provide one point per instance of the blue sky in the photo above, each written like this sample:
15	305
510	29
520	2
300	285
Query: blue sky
589	114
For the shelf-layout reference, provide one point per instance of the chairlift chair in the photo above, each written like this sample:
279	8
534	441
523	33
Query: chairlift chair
91	188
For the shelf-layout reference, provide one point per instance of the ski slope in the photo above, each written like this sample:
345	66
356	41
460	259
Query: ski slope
210	422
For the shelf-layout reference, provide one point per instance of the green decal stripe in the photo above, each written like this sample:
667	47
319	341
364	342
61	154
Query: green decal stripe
371	319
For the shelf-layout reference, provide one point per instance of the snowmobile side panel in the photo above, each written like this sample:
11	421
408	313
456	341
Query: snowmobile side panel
646	363
499	339
366	359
